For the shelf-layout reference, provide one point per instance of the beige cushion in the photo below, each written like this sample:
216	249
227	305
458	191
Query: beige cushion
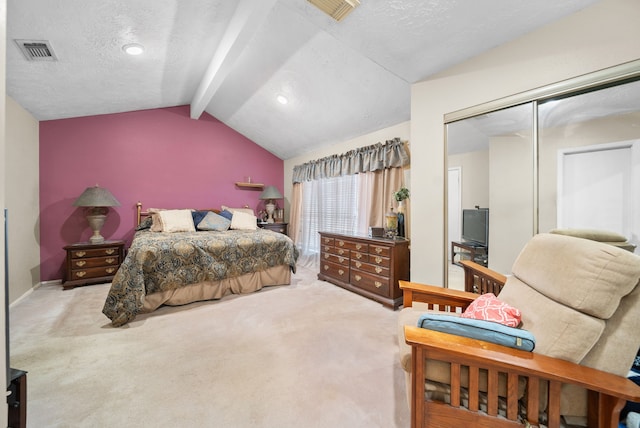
586	275
560	331
177	221
156	221
243	221
407	316
234	210
592	234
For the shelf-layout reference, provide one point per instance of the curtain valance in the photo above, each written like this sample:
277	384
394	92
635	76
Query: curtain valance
391	154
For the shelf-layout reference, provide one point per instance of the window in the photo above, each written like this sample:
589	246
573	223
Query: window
328	205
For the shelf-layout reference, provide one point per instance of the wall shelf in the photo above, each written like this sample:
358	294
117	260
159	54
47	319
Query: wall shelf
256	186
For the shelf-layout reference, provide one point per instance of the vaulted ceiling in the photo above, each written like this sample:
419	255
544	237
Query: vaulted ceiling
232	59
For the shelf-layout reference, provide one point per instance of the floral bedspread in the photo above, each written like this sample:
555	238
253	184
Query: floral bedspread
165	261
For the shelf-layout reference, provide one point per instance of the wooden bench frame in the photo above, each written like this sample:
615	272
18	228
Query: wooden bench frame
607	393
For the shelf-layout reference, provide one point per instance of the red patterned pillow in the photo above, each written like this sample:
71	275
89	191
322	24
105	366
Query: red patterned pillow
488	307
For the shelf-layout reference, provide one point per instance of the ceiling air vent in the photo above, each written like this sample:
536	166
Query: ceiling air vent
337	9
37	50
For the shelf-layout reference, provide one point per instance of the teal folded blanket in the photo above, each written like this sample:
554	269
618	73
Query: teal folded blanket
487	331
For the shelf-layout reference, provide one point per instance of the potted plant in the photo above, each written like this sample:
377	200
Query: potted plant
400	195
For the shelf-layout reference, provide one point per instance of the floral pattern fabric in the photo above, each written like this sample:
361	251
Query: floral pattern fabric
159	262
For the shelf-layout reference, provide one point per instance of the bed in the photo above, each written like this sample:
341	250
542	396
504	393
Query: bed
176	267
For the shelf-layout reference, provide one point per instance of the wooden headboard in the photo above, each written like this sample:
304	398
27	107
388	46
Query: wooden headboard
141	215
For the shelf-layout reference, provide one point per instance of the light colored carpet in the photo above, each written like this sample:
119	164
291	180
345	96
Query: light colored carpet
305	355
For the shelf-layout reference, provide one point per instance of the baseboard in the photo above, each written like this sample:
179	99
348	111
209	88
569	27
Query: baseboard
35	287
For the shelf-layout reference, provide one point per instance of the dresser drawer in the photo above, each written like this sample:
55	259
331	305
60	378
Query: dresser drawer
361	257
375	284
341	260
379	261
80	274
88	253
367	267
335	270
379	250
346	244
326	241
339	251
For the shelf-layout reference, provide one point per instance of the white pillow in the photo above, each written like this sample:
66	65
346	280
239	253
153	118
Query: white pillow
177	221
156	221
235	210
243	221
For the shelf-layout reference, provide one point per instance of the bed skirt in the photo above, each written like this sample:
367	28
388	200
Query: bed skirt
211	290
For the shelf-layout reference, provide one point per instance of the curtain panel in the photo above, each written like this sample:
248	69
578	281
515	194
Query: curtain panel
391	154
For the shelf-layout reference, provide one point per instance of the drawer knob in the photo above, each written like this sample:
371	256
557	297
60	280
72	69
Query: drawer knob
80	263
326	267
80	253
358	277
110	260
358	256
341	251
378	250
341	243
341	259
81	273
341	272
358	246
326	256
378	260
378	284
326	240
378	269
326	248
358	264
111	270
109	251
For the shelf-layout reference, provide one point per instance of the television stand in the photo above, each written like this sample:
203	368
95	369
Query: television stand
469	251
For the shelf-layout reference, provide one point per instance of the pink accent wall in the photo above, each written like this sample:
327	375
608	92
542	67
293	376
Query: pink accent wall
160	157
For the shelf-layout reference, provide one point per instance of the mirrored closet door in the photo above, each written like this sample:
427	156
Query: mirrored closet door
567	156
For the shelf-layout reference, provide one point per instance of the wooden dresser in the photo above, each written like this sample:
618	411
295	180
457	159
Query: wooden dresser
370	267
92	263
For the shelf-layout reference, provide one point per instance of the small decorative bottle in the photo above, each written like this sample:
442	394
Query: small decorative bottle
391	224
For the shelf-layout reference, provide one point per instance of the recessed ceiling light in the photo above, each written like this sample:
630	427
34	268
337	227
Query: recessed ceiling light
282	99
133	48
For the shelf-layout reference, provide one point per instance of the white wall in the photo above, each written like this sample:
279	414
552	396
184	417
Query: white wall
22	199
567	48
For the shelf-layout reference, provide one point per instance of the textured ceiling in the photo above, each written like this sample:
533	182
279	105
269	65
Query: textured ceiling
232	58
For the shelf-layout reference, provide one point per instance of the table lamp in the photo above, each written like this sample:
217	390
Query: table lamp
270	193
97	200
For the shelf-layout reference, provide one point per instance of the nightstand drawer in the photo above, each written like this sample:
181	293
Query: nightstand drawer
276	227
87	253
97	272
89	263
95	262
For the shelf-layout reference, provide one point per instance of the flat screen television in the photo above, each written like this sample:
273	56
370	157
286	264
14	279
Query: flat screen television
475	226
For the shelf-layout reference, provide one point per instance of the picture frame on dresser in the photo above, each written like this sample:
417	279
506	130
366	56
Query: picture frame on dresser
369	266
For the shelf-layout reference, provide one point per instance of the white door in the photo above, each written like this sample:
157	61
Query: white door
595	187
454	206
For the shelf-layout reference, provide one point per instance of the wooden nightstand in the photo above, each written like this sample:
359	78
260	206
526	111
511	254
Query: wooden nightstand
276	227
92	263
